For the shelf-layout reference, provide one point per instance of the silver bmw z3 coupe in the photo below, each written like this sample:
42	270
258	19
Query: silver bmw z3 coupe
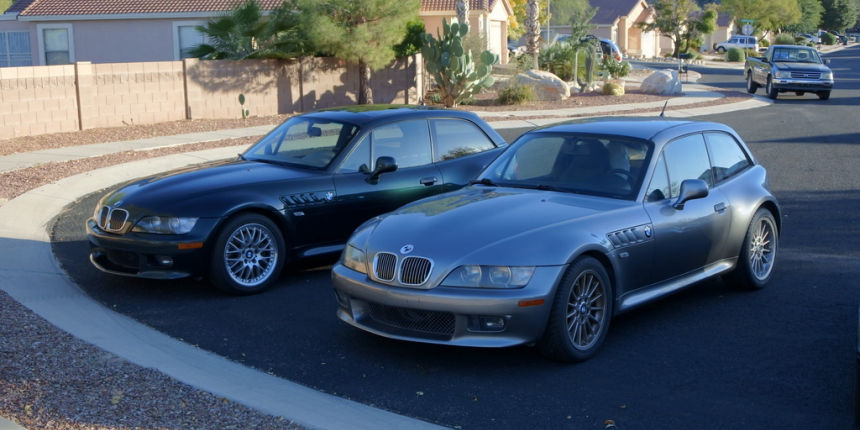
571	225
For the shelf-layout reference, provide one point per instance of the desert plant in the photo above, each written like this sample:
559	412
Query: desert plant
452	67
245	112
784	39
516	94
615	68
735	55
558	59
613	89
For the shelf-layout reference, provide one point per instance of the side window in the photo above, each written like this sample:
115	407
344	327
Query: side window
659	187
455	138
687	158
407	141
727	157
359	156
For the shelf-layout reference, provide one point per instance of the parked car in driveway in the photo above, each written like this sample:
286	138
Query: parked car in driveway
298	192
571	225
737	41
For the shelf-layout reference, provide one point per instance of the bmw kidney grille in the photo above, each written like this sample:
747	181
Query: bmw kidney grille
412	271
112	219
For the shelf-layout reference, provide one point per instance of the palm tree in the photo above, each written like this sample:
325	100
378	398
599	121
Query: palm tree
533	29
247	33
463	11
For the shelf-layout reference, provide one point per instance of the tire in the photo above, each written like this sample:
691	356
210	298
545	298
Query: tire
758	253
721	50
751	86
824	95
574	332
248	255
772	92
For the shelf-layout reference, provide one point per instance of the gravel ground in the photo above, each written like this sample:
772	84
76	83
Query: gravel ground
51	380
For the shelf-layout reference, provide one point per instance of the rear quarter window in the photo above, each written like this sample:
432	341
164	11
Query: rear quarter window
727	156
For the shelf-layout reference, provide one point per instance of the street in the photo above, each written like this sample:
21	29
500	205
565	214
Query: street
711	356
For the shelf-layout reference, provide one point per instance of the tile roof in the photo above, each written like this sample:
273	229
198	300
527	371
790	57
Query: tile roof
449	5
124	7
609	10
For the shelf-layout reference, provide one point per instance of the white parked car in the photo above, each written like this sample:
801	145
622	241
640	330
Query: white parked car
736	41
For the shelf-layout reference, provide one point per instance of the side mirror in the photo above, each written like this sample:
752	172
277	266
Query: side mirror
691	189
384	164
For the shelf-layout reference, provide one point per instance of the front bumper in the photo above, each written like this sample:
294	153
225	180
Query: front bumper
448	315
802	85
148	255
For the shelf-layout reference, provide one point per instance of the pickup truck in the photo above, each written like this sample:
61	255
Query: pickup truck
789	68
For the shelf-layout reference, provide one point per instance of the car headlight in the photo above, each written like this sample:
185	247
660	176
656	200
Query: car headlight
473	276
782	74
827	76
164	225
355	259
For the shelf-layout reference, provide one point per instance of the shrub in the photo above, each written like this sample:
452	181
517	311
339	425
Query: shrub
784	39
412	41
557	59
764	43
828	39
613	89
615	68
735	55
516	95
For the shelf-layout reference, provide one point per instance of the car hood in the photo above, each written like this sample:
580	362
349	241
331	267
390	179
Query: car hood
190	191
484	225
803	67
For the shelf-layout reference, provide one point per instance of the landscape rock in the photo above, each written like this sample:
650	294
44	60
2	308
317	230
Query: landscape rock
547	86
662	82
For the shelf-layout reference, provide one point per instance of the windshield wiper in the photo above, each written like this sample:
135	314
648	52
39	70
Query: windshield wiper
483	181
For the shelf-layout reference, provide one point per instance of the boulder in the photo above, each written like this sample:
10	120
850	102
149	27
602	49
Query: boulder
547	86
663	82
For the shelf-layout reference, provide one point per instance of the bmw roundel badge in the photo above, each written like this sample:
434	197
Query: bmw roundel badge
406	249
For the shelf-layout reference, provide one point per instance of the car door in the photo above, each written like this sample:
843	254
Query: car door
359	198
460	150
690	238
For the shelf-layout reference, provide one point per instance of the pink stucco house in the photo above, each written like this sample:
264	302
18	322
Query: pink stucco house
619	20
46	32
49	32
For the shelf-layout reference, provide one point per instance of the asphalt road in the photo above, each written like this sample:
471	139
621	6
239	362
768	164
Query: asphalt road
709	357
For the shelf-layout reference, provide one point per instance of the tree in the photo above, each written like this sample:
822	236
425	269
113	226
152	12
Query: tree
563	11
704	24
771	15
838	14
246	33
676	19
361	32
462	8
517	21
532	29
810	17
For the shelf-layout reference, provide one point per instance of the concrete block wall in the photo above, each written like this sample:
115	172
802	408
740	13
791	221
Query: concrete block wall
51	99
130	93
37	100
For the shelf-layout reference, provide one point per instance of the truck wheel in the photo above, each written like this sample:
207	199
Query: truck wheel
751	86
772	92
824	95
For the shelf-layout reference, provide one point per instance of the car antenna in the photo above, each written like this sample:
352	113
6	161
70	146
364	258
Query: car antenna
663	111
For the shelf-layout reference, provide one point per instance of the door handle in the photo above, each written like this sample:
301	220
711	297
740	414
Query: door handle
428	181
720	207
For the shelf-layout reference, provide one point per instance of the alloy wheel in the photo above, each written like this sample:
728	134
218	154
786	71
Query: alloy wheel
761	249
250	255
586	310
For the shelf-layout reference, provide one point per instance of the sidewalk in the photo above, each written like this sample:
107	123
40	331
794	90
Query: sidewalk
33	277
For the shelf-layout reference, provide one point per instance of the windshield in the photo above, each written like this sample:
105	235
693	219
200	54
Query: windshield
609	166
303	141
796	55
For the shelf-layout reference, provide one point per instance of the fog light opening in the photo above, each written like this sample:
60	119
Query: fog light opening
163	260
487	323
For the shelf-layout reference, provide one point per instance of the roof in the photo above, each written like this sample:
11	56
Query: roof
609	10
450	5
645	128
126	7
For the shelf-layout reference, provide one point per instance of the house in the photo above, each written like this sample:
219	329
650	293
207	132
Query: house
488	17
619	20
48	32
724	31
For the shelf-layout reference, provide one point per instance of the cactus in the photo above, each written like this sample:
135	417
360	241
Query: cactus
242	105
458	76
